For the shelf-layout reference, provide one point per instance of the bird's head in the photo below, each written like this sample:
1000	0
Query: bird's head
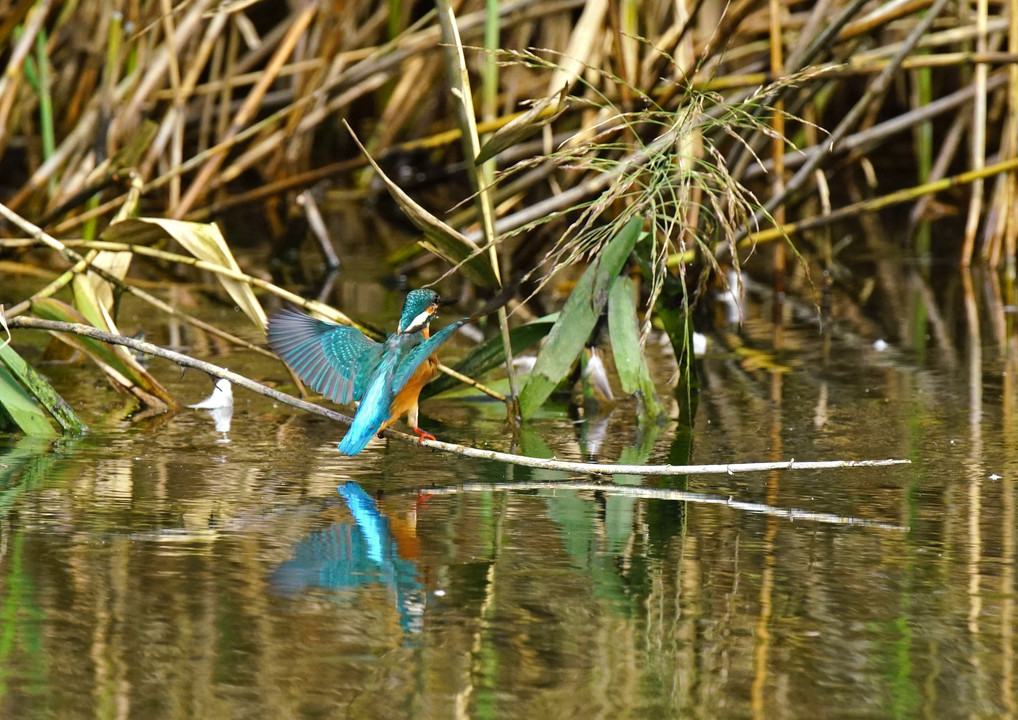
418	310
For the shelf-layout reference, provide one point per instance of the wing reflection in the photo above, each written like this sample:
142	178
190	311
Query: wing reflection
351	555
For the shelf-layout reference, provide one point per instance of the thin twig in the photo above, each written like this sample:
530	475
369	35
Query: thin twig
879	203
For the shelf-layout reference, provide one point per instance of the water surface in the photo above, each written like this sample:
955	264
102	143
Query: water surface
162	568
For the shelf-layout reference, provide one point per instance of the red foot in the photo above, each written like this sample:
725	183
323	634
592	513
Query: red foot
423	435
422	498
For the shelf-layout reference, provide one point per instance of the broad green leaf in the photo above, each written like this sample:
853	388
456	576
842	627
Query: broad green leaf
577	319
18	407
124	371
44	394
443	240
623	326
490	354
202	240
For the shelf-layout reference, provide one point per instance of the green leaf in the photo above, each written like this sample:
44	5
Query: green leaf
490	354
577	319
203	241
44	395
623	326
17	406
672	311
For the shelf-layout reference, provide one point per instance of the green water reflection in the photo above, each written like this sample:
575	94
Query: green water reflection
167	569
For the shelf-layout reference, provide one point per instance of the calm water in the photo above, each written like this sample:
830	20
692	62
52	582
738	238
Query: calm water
162	568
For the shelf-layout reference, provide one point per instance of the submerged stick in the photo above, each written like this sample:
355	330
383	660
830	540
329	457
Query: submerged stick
653	493
579	467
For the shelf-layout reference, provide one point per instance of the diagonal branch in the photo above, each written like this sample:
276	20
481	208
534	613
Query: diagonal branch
578	467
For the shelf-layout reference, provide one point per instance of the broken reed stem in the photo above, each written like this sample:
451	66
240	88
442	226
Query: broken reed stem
521	460
365	60
248	109
978	147
778	153
875	90
1011	141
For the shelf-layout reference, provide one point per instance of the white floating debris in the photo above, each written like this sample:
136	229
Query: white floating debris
995	476
880	345
221	397
597	375
699	344
524	364
219	405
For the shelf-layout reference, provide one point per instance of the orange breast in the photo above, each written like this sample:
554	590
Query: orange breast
406	399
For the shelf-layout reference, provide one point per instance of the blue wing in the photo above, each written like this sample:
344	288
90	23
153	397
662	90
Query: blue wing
334	360
413	359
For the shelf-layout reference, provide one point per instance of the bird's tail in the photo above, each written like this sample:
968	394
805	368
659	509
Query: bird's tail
372	413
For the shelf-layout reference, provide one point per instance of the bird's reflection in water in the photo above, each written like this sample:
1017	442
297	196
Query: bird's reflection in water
373	549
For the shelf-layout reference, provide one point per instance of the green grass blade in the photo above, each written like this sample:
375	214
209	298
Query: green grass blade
19	408
577	319
441	239
46	125
623	326
45	396
544	112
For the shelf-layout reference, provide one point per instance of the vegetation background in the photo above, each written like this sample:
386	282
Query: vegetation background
519	138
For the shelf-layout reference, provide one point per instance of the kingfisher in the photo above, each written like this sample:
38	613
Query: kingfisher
344	365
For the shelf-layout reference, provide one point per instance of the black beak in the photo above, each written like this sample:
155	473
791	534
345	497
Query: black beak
445	302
